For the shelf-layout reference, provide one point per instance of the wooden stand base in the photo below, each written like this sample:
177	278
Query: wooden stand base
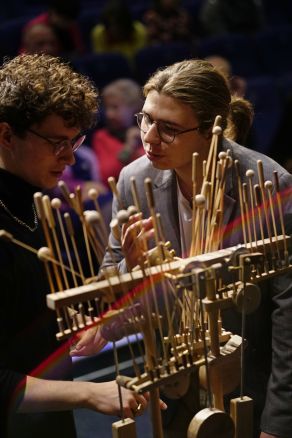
241	411
124	429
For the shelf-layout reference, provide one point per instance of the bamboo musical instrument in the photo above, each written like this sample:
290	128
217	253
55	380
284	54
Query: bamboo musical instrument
174	303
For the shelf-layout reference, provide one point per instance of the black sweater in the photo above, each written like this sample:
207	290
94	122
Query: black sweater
27	326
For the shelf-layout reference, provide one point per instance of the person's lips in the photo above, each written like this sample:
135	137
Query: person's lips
57	173
153	156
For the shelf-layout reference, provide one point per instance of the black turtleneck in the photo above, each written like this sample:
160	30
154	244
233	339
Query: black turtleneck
27	326
17	195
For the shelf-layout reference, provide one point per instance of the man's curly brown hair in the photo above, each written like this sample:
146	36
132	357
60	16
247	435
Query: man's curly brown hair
33	87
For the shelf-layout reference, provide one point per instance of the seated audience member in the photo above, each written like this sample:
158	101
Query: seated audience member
237	83
167	21
40	38
117	31
242	127
119	142
62	15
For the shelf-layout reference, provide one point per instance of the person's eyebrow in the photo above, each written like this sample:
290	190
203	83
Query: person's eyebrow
168	122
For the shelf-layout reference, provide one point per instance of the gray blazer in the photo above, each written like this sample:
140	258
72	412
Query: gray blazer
165	194
263	337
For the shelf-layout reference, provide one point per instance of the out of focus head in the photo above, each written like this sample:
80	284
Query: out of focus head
32	87
40	38
122	99
118	21
222	64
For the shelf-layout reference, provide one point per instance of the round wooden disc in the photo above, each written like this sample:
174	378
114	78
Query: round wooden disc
209	423
248	297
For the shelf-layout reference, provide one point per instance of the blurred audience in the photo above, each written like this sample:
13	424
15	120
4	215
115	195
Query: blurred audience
241	128
281	149
117	31
167	21
62	17
40	38
119	142
225	16
237	84
84	172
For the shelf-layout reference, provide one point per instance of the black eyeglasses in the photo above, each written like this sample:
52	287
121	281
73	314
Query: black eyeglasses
60	145
166	133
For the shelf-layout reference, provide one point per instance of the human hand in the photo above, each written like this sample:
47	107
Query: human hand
89	342
105	399
135	234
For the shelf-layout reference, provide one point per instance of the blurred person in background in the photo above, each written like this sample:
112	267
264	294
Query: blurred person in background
117	31
167	21
226	16
62	17
40	38
242	126
237	84
119	142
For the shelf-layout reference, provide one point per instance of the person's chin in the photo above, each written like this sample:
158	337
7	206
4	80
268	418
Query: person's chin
52	181
160	165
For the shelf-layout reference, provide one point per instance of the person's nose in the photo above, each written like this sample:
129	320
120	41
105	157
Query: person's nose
67	155
152	134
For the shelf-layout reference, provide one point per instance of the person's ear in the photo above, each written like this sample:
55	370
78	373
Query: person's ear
5	135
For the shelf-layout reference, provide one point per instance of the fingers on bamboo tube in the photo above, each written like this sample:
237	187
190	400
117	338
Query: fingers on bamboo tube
122	216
